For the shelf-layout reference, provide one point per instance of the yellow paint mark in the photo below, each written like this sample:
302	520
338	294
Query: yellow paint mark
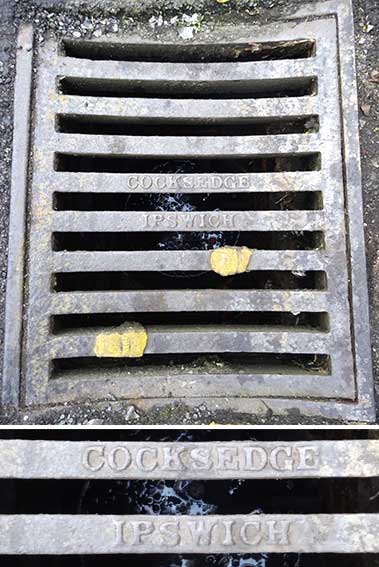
230	260
63	99
129	341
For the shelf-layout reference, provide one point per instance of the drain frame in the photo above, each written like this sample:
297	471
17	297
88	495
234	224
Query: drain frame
361	407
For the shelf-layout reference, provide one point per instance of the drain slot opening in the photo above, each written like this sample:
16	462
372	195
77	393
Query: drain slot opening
207	363
198	560
262	320
198	53
104	281
117	125
225	164
104	241
301	496
270	201
268	88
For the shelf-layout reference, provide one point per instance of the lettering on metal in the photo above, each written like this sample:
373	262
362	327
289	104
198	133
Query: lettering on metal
65	459
221	459
204	532
192	221
179	182
90	534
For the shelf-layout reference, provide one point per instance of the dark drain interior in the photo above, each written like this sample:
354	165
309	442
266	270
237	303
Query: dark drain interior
270	201
304	86
102	281
197	53
226	164
164	365
103	241
154	127
268	319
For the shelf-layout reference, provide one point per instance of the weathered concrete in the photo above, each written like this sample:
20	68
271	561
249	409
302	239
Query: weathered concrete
229	460
63	535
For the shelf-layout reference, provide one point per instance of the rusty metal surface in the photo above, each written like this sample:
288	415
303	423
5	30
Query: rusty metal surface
347	381
216	460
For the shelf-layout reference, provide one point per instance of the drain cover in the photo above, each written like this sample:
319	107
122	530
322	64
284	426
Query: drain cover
191	204
69	534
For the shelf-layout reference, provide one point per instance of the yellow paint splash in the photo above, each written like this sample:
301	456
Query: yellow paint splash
129	341
230	260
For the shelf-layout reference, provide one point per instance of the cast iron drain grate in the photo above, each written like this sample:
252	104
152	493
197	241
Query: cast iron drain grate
147	158
132	500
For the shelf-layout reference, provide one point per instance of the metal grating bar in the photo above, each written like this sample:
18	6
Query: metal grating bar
229	220
187	183
194	386
94	534
171	109
200	300
189	260
186	340
189	147
201	460
195	72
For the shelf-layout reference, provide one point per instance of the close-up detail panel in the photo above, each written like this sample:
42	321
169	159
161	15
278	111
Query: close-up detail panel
189	223
284	498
